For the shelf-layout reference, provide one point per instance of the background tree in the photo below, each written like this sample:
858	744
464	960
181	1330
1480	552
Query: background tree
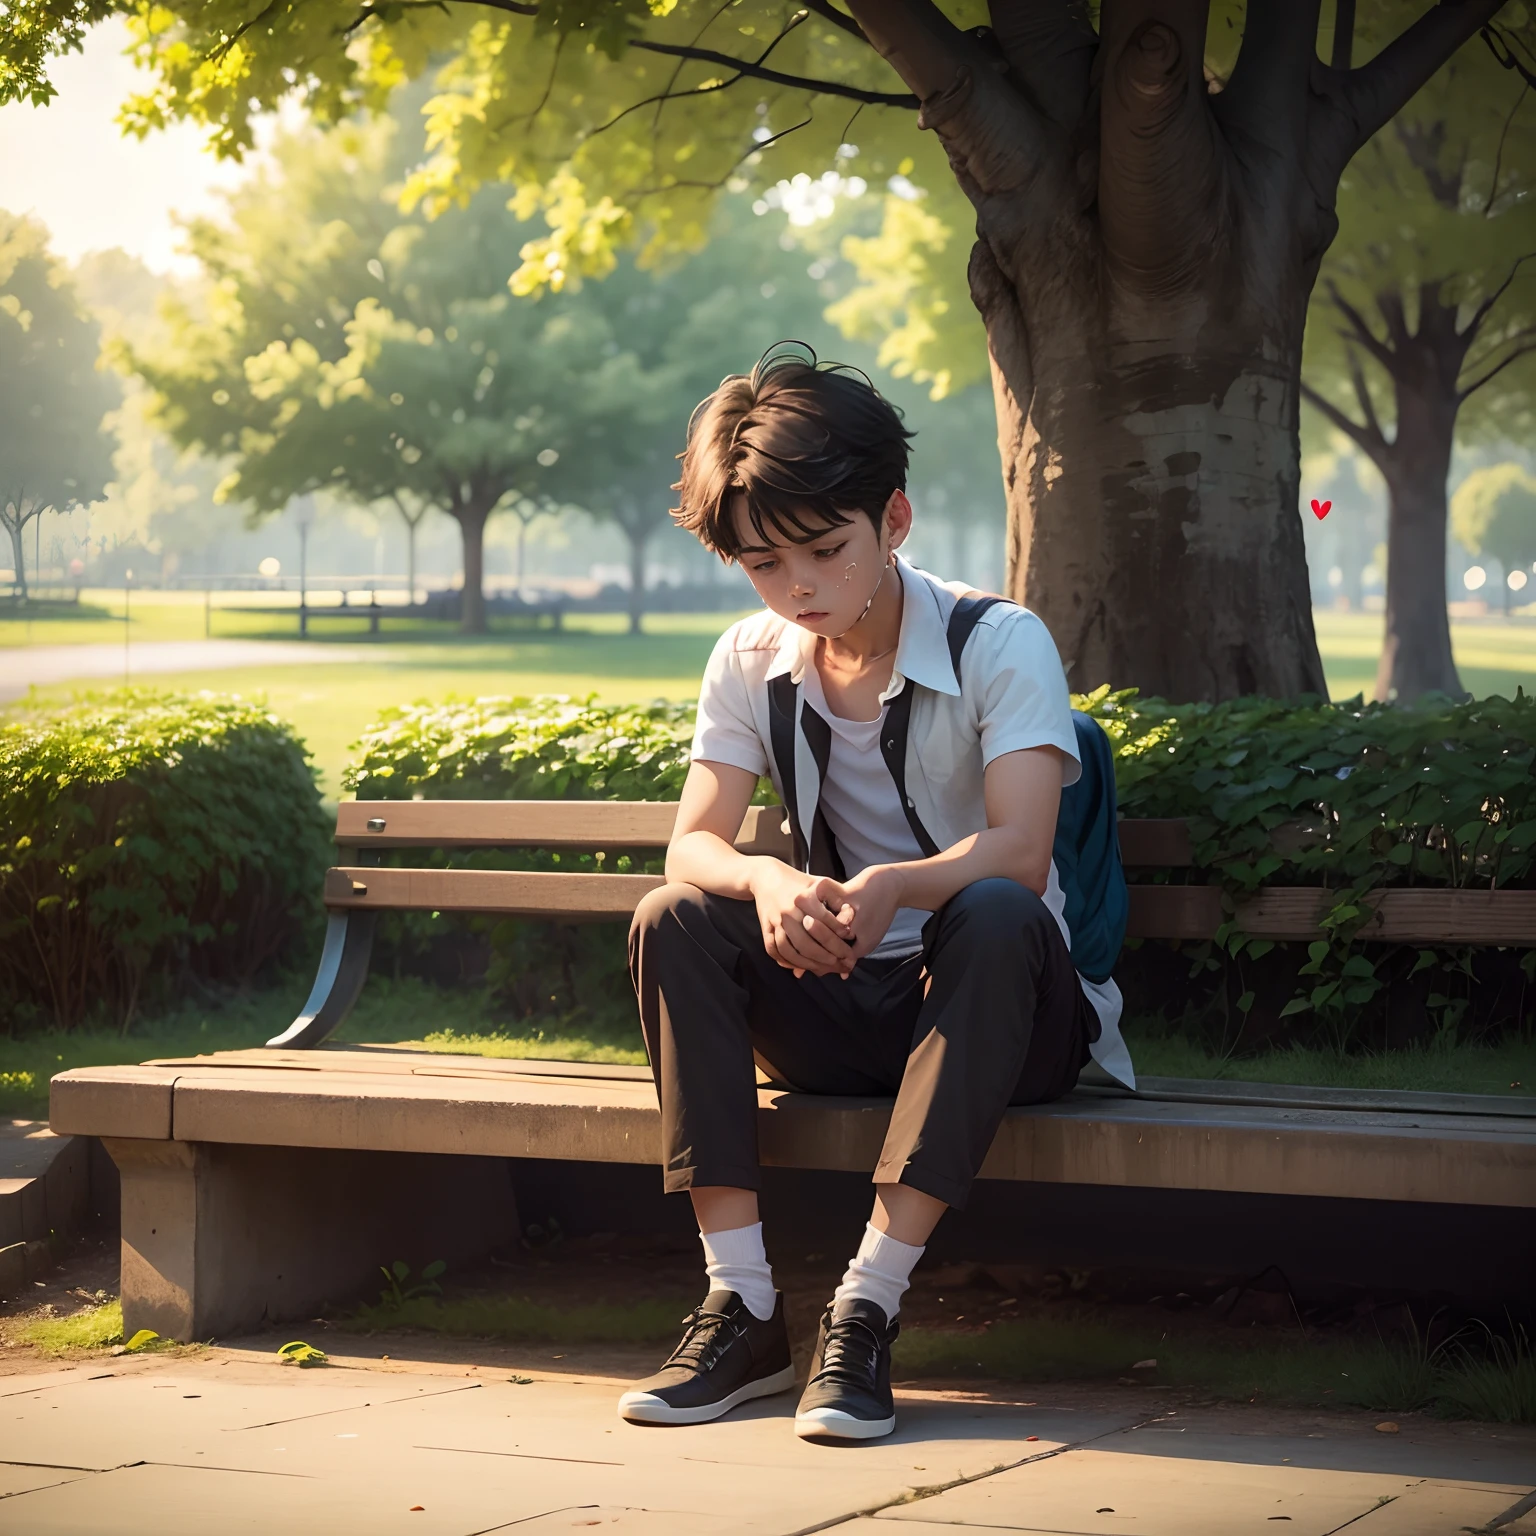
1426	310
1152	197
54	453
159	501
343	345
1493	513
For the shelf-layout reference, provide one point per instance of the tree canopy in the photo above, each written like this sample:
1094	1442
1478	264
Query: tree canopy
1152	185
1493	513
54	453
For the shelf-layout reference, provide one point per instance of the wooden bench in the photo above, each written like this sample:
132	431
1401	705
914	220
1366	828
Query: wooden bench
258	1184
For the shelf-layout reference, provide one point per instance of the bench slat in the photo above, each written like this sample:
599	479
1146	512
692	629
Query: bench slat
1290	912
514	893
1156	911
1156	842
586	825
1083	1139
592	824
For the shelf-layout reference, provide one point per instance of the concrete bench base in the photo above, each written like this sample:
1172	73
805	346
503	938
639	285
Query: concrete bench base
258	1185
219	1239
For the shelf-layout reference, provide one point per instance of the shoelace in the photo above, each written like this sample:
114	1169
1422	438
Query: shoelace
851	1356
706	1337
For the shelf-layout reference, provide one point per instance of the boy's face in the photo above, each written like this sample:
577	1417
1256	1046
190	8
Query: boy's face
823	586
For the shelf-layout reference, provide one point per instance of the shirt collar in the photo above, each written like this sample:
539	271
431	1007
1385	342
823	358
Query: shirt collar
922	651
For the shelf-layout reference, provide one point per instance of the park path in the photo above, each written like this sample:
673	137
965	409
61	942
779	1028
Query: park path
24	667
228	1440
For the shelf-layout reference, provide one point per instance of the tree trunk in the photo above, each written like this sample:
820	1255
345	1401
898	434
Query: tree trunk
410	562
1416	648
638	542
18	554
1151	465
1146	244
471	516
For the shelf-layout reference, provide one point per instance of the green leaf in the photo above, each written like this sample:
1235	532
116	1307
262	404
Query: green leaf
143	1339
1296	1005
1245	1002
1318	950
434	1269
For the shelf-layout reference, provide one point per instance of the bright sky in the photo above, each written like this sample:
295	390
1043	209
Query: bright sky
69	164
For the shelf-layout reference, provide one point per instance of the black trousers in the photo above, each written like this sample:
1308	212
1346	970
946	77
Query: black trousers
991	1013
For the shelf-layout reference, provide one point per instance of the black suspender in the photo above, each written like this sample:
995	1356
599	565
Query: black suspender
783	699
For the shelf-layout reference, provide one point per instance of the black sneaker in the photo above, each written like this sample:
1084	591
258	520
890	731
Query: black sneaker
848	1396
726	1357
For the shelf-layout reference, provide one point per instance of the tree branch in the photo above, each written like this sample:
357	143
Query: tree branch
670	50
1267	92
773	76
994	139
1496	370
1362	436
1374	94
1363	395
1343	34
839	19
1359	330
1050	47
1481	312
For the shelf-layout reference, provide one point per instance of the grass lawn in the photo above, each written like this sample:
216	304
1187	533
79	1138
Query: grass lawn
331	703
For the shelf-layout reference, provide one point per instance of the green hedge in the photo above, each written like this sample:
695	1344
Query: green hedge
150	840
1437	794
1375	795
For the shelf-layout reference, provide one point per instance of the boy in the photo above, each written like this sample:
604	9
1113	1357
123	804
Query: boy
915	946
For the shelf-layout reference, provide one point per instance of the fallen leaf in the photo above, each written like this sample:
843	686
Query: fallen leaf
1145	1365
1386	1427
418	1509
1032	1437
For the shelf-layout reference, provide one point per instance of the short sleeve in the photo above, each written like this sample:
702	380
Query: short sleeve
1021	690
723	730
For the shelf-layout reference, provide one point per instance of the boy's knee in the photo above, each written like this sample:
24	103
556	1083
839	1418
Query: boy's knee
664	908
997	910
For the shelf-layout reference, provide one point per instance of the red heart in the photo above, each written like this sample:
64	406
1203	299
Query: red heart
1321	508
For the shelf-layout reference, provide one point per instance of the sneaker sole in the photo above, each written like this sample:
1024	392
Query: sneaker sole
832	1424
643	1408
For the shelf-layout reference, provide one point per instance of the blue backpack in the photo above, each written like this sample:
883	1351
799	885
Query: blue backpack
1087	847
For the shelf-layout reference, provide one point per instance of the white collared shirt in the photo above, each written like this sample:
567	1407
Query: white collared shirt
1012	695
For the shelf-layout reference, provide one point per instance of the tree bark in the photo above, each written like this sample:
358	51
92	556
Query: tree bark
639	541
471	515
15	525
1416	655
1424	365
1145	251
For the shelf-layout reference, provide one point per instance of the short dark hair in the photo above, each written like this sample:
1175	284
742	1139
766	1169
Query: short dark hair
807	443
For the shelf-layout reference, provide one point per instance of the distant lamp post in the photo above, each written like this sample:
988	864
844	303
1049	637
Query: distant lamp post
304	519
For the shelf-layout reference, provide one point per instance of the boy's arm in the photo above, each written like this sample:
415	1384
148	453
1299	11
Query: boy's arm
1023	794
799	930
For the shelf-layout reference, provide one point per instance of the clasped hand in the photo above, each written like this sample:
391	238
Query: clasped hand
825	926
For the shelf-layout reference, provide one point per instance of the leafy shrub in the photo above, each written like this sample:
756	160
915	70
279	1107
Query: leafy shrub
1354	797
525	749
150	837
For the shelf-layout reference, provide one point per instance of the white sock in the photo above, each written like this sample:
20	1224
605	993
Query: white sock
735	1261
879	1271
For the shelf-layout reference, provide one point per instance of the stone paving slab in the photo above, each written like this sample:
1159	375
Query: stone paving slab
232	1442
